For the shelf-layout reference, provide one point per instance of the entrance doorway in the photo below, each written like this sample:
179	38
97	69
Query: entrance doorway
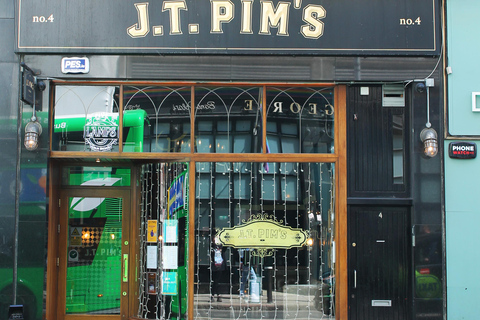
379	260
95	246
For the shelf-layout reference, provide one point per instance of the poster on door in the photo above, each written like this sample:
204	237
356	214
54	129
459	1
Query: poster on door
152	231
169	283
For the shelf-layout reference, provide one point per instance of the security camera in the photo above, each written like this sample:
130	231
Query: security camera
41	85
420	87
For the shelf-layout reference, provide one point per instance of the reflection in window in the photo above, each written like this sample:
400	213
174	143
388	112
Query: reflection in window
300	120
96	176
163	254
167	112
86	118
398	148
298	281
232	115
228	119
428	262
94	251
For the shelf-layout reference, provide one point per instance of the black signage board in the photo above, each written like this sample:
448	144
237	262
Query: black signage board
256	27
28	86
462	150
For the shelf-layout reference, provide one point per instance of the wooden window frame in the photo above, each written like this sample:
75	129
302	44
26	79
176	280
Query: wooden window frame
338	158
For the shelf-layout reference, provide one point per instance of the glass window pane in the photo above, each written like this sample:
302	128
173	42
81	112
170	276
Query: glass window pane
162	262
94	253
243	126
156	119
222	126
398	148
223	143
86	118
204	143
96	176
269	189
242	144
222	187
204	184
301	117
203	166
232	111
241	186
205	126
249	246
289	185
289	145
241	259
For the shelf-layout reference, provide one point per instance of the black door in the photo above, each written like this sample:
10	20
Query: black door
378	262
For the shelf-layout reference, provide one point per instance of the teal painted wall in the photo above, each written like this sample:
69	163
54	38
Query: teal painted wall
462	187
463	237
463	48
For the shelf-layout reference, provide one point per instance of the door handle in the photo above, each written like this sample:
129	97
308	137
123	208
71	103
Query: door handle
125	268
354	279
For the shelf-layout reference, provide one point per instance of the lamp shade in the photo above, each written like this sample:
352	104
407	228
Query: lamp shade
430	142
33	130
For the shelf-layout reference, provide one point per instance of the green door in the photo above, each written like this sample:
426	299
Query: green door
94	253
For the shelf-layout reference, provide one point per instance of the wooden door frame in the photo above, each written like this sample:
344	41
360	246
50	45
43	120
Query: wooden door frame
341	305
55	303
391	210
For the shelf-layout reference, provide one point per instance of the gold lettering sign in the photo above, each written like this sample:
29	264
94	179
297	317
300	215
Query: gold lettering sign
262	233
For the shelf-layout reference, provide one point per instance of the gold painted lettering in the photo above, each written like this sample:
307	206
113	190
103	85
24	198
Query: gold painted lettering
329	110
248	105
141	28
313	108
274	17
295	107
222	12
245	234
247	16
314	27
174	8
278	107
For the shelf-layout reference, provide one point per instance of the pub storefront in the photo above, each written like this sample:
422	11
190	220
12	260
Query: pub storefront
241	160
238	216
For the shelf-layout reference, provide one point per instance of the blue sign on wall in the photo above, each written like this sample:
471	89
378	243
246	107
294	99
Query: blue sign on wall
75	65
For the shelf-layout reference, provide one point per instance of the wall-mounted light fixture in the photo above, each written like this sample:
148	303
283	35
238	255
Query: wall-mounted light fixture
428	135
430	142
33	130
